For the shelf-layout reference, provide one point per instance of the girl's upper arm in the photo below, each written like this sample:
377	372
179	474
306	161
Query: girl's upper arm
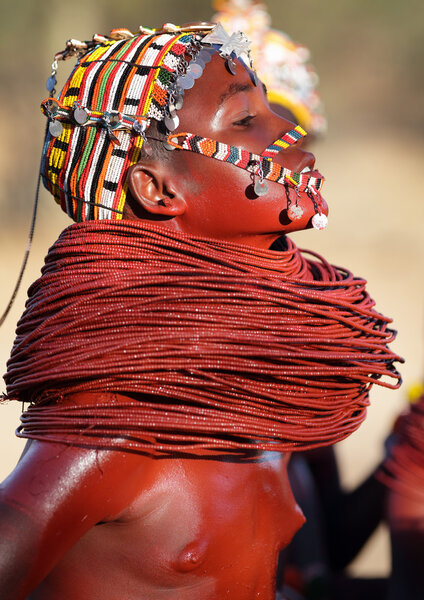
56	494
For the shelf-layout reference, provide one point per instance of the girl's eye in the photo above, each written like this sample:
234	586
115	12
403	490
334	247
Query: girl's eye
245	122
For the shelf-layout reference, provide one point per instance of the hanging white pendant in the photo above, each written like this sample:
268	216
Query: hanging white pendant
319	221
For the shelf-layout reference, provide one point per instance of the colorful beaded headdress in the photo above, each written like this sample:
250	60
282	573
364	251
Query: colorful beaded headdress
97	127
281	64
120	83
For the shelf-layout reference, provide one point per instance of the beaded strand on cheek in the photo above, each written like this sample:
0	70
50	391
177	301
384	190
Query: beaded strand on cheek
261	165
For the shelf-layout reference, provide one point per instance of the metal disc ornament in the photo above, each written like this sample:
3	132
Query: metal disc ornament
179	101
205	56
55	128
80	115
195	70
319	221
186	82
260	187
172	123
199	61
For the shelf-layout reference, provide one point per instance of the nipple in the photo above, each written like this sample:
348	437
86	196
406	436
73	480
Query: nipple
192	556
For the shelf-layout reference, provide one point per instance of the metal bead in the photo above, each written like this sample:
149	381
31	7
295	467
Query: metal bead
139	128
51	83
52	105
260	187
55	128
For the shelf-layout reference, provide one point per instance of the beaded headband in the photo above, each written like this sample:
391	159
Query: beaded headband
119	84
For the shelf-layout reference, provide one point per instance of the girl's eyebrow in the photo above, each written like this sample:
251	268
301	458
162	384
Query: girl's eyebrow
234	88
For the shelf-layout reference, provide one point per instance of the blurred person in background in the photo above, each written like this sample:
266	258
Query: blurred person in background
403	474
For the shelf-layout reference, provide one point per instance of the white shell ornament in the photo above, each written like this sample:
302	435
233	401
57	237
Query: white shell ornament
319	221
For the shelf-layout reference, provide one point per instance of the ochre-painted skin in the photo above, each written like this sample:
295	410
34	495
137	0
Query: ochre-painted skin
80	524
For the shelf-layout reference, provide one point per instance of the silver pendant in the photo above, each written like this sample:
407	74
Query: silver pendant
260	187
55	128
80	115
186	82
171	123
195	70
231	66
179	101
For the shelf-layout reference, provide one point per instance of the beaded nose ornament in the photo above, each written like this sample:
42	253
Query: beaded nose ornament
262	166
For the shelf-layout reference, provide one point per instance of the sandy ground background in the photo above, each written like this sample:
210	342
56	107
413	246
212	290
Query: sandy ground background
372	158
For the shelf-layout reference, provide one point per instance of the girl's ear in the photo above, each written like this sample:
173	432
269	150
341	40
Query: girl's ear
151	187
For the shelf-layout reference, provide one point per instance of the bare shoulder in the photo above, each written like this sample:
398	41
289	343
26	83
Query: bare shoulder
56	493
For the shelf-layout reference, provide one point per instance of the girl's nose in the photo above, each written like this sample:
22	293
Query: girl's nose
295	159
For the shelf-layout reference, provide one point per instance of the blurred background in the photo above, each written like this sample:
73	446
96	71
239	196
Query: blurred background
369	57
